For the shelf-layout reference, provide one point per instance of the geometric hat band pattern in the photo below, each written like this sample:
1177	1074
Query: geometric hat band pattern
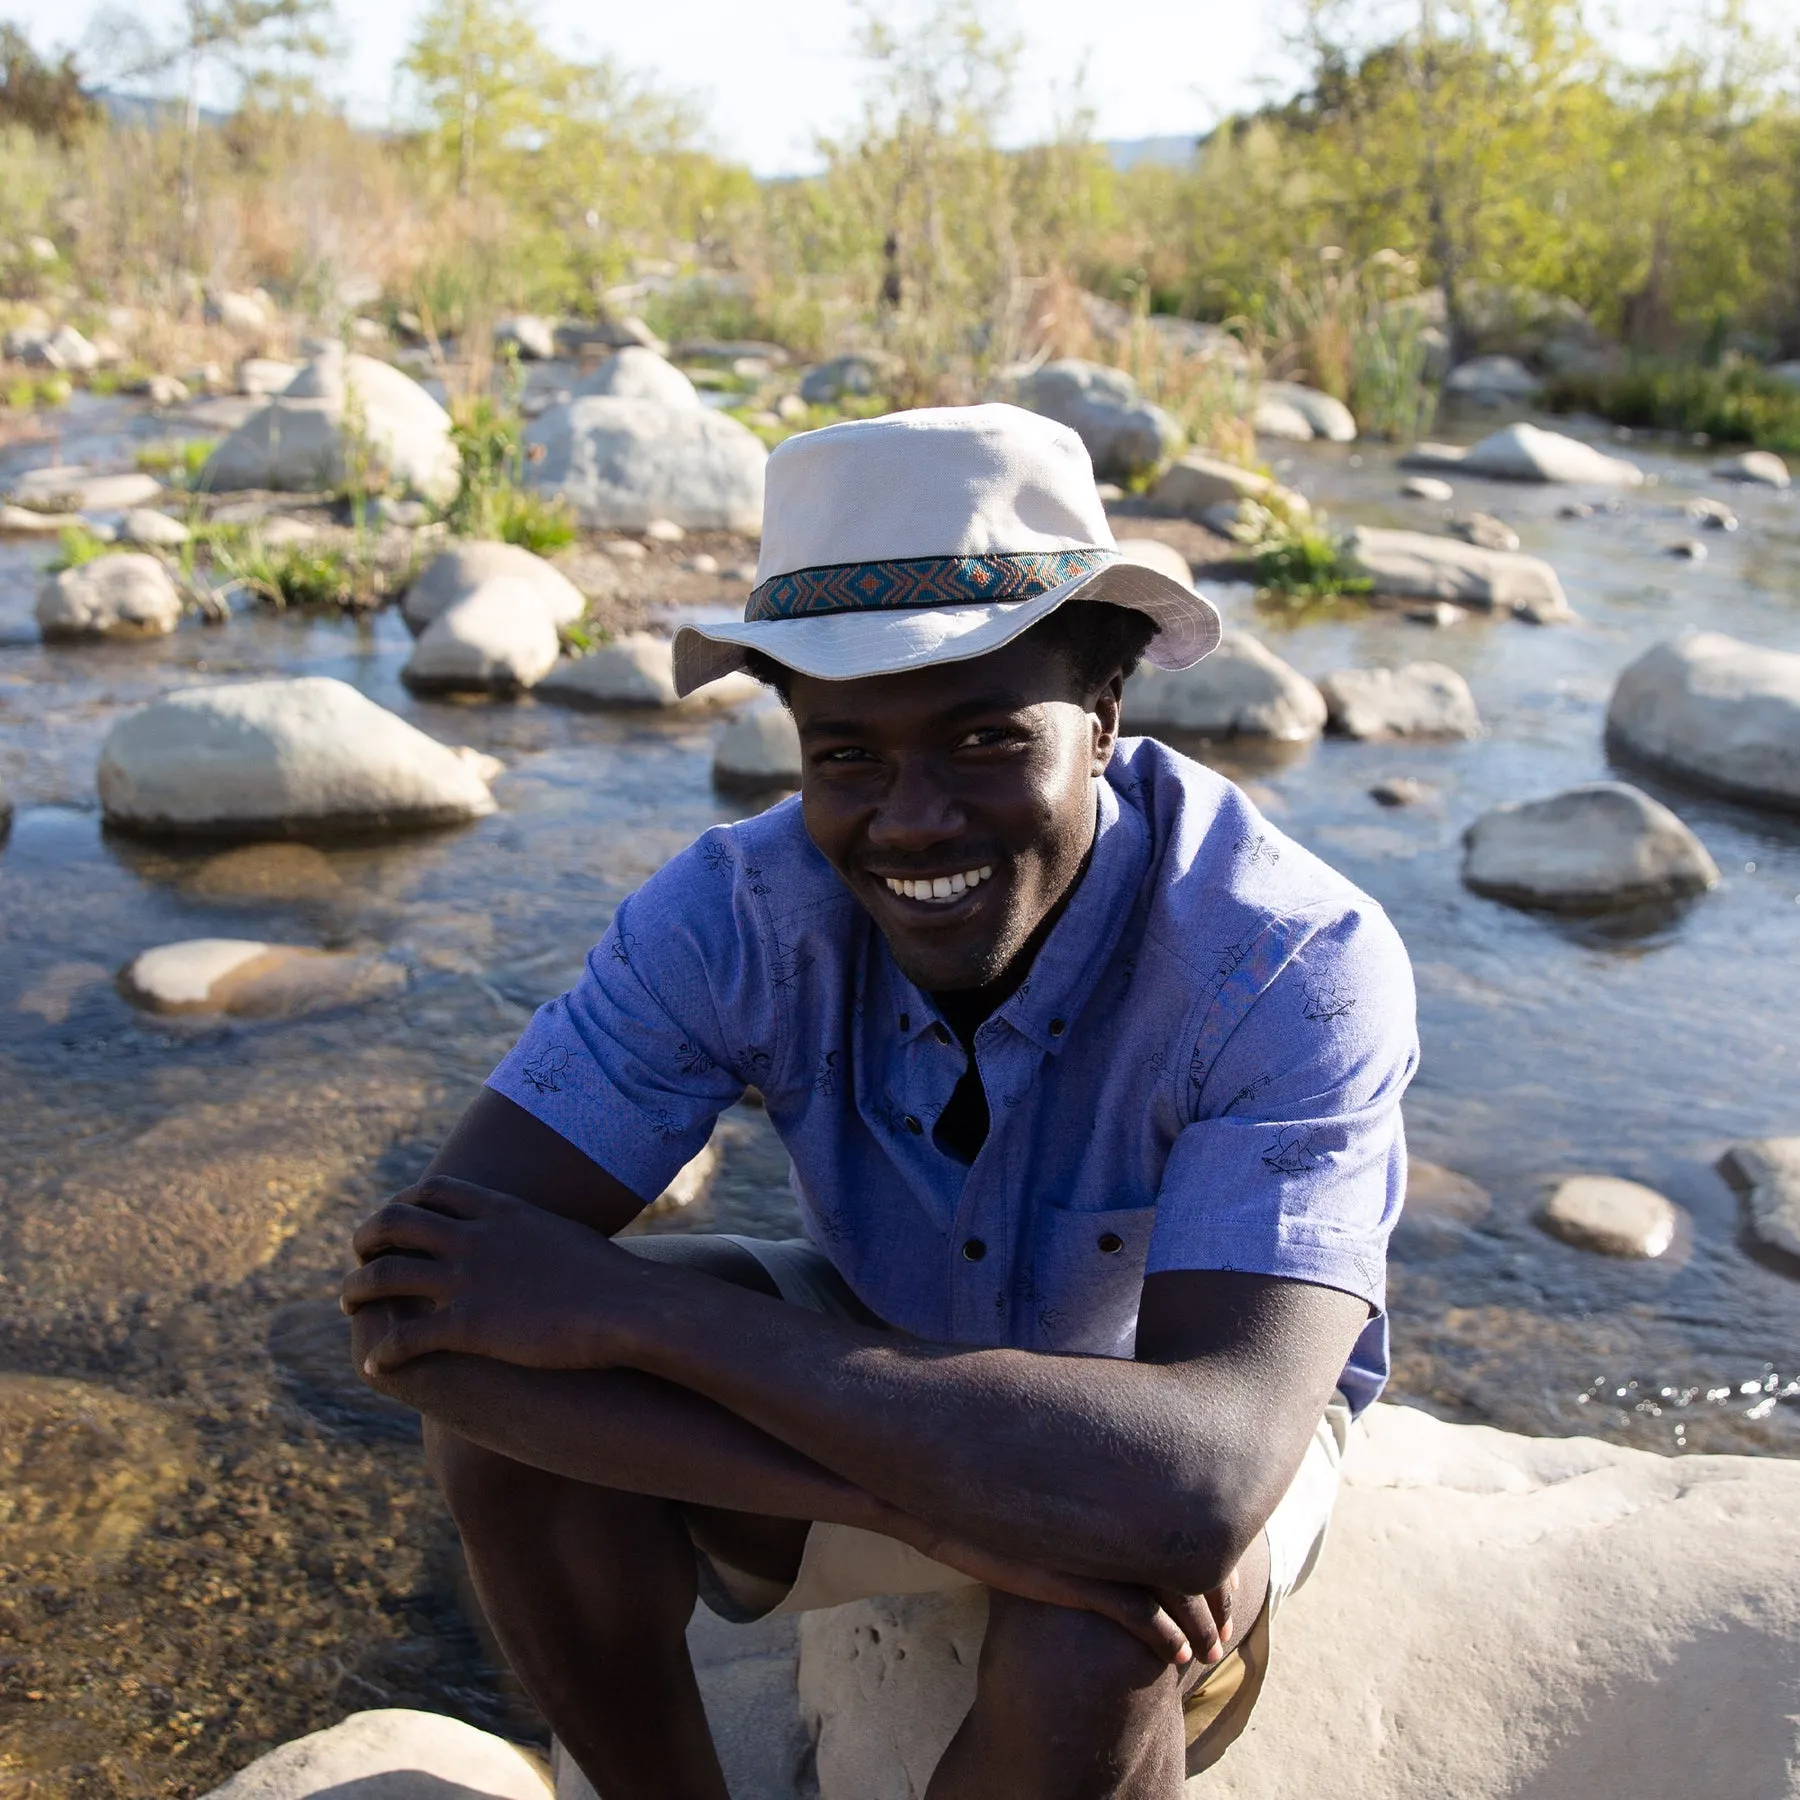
920	581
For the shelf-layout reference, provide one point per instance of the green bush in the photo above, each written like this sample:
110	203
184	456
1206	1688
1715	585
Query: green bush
1298	557
77	545
492	500
303	575
1735	402
177	462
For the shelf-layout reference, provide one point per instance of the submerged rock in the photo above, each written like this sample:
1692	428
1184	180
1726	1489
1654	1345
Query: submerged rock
1767	1170
1242	690
127	594
635	373
1613	1217
1417	565
464	569
1124	433
1597	847
1401	790
254	980
1525	452
638	669
758	749
1435	1192
1716	711
295	758
499	639
1416	700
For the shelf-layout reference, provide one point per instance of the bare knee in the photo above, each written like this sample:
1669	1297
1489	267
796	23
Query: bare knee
480	1485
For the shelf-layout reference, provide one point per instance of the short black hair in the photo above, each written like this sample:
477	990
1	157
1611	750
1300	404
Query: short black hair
1095	639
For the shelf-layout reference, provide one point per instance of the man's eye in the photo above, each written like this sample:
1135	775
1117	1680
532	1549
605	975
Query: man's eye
988	737
845	753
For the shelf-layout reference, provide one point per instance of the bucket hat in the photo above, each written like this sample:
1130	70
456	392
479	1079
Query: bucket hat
931	537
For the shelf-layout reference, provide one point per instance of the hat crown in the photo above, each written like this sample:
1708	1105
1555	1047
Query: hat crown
949	481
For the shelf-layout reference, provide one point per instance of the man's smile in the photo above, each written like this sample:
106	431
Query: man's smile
937	890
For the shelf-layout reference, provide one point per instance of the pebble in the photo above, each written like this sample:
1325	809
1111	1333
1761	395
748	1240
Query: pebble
1426	487
1402	790
703	564
664	531
1484	531
250	979
1575	509
1767	1171
624	549
1711	515
1687	550
1440	1193
1610	1216
1443	613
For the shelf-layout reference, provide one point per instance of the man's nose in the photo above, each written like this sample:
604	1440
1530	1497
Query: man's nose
917	810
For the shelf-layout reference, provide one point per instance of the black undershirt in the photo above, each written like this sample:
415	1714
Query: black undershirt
962	1126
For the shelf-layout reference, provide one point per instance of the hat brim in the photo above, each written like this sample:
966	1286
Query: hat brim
849	646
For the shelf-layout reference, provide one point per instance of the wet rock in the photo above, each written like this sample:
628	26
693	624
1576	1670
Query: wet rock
1484	531
392	1754
1760	468
274	872
1274	417
300	440
1439	1193
72	488
465	569
664	531
297	757
858	374
1576	509
1419	565
1426	487
622	463
1716	711
1241	690
1153	553
499	640
635	373
1711	515
1596	847
1323	416
534	338
1612	1217
638	670
154	530
1402	790
1767	1171
24	521
1124	433
82	1469
263	376
1422	699
1194	483
1687	550
1493	379
254	980
758	749
163	391
1440	615
1579	1573
128	594
1525	452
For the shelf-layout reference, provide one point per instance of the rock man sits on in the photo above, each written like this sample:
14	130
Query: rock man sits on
1091	1083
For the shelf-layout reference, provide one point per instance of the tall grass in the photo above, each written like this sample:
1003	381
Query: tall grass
1734	402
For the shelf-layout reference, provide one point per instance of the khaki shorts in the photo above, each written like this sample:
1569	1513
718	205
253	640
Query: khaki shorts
842	1563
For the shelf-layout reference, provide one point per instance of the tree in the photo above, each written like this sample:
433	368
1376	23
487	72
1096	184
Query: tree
44	97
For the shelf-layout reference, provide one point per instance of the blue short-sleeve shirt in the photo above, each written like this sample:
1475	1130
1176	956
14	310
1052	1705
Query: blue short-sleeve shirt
1203	1070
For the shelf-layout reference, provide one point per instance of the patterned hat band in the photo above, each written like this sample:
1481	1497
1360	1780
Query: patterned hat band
921	581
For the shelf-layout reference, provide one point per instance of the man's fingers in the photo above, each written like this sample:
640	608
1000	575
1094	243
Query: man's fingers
400	1226
457	1199
1195	1617
395	1278
404	1339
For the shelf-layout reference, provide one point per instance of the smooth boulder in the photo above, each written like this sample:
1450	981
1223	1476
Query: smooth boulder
154	530
1153	553
498	640
1524	452
622	463
1767	1172
635	373
1540	1601
1493	378
1242	690
1320	414
1124	433
306	438
250	979
758	749
1419	565
1193	484
1611	1217
126	594
1593	848
532	336
638	669
856	375
1423	699
464	569
1758	468
1426	487
73	488
310	756
1715	711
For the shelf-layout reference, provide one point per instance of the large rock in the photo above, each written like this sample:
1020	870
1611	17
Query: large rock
1760	468
1493	378
635	373
1768	1172
1525	452
1610	1216
532	336
1153	553
1241	690
1124	433
1419	565
623	463
153	530
500	639
464	569
299	441
1194	483
1596	847
72	488
857	375
254	980
127	594
1539	1601
638	669
283	758
1717	711
1320	414
1423	699
391	1754
758	749
262	376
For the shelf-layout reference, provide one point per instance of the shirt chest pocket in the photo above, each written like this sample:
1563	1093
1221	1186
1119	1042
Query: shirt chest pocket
1088	1272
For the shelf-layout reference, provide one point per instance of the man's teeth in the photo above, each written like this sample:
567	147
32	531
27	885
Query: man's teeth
941	888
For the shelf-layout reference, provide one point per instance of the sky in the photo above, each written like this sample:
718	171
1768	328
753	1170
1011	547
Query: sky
771	78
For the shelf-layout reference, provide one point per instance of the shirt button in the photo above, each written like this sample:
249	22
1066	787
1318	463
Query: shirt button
913	1125
941	1033
974	1250
1058	1027
1111	1243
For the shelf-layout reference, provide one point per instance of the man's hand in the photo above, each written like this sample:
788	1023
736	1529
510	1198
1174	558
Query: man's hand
463	1268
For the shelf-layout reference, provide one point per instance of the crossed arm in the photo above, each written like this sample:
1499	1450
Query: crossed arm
1155	1473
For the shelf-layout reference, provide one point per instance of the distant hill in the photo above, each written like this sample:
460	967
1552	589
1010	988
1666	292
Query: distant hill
148	109
1176	152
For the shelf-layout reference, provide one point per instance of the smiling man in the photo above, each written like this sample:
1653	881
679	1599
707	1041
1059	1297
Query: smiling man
1091	1083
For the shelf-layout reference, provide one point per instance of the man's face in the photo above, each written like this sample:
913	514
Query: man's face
956	802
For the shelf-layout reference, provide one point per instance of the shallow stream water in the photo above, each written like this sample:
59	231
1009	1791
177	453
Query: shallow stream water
217	1540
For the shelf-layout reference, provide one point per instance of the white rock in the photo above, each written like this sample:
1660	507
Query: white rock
1325	417
622	463
1763	468
1193	483
534	338
1717	711
391	1754
1594	847
1274	417
25	521
1613	1217
245	314
1484	531
759	748
297	441
265	375
165	390
1493	378
73	352
635	373
638	670
1241	690
664	531
1439	1193
1124	433
1153	553
30	344
1710	515
71	488
254	980
1579	1578
1686	550
1423	699
1426	487
1525	452
307	755
501	638
1768	1171
462	570
154	530
1418	565
127	594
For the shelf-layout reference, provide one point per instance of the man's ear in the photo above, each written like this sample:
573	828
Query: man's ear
1104	709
